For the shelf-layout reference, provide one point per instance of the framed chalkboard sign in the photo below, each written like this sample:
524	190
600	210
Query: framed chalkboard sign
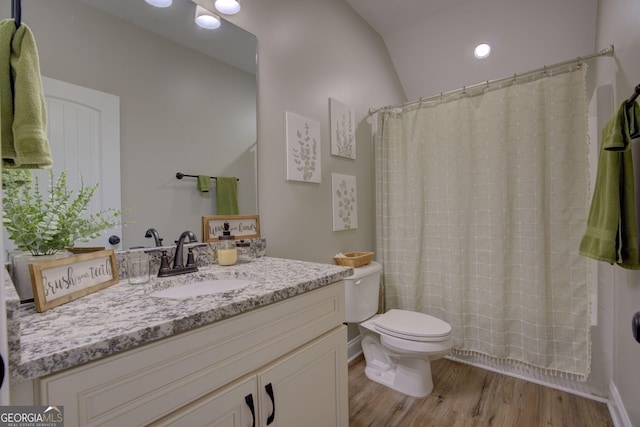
58	281
241	226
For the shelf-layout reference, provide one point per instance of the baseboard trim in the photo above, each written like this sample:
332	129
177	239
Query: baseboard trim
354	349
616	407
509	370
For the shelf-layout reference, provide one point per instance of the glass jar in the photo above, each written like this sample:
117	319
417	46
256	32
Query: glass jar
245	251
227	252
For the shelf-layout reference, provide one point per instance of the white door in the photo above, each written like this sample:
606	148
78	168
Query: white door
83	126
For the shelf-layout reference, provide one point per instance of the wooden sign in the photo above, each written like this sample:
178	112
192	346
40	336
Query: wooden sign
241	226
62	280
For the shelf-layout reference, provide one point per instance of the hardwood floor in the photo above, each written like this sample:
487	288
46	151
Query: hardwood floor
465	395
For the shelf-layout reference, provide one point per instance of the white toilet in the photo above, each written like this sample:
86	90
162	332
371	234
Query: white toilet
398	345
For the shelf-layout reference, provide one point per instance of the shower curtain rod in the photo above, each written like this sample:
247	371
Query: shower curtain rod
604	52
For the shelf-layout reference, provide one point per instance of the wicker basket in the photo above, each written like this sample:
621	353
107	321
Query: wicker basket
354	259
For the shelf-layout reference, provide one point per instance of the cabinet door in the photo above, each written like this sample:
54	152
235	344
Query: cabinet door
309	386
232	406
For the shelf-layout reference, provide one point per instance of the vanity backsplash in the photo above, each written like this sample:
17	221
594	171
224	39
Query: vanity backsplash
205	254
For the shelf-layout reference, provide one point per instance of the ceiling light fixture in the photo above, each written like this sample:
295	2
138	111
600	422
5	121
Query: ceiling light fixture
482	51
206	19
228	7
160	3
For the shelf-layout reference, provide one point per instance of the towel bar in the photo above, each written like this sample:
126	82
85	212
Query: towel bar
181	175
16	11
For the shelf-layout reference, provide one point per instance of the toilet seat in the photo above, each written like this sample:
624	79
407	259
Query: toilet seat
401	346
413	326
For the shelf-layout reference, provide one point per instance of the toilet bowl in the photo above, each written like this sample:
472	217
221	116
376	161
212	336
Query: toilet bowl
398	345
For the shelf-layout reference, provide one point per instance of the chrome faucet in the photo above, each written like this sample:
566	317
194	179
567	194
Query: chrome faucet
152	232
178	268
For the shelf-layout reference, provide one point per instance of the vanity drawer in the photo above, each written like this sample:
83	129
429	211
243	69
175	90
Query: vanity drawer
141	385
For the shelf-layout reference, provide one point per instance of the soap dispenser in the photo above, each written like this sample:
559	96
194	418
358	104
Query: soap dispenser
227	250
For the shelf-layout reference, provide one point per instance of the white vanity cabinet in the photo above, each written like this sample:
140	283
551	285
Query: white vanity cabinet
296	348
302	389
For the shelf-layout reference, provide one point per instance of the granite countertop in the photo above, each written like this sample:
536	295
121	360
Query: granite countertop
124	316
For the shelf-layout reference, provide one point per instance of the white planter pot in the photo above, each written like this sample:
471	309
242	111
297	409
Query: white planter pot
20	274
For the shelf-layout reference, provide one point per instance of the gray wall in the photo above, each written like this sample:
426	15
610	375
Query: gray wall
309	51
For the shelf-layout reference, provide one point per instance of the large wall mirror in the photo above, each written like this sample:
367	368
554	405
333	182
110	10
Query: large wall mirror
187	101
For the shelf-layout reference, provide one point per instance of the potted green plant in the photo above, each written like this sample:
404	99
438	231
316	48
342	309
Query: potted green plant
41	226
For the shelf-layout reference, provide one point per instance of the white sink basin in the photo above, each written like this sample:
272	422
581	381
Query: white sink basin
206	287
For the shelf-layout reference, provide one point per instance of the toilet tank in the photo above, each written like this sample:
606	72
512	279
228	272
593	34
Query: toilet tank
362	292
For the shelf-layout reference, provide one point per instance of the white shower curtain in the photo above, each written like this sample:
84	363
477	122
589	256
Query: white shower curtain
481	203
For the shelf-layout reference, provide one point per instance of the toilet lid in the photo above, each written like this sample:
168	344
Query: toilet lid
412	325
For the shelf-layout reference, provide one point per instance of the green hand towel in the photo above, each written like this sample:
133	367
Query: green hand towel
204	183
27	147
7	30
227	195
612	232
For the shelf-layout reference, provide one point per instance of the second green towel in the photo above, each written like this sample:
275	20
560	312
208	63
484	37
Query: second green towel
204	183
227	195
612	233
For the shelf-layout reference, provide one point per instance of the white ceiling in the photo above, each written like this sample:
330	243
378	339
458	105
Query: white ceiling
431	42
387	16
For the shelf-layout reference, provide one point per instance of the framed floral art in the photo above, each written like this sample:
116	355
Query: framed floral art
343	129
345	202
303	148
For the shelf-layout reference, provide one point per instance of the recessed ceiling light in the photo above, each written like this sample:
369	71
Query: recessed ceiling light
206	19
228	7
482	51
160	3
